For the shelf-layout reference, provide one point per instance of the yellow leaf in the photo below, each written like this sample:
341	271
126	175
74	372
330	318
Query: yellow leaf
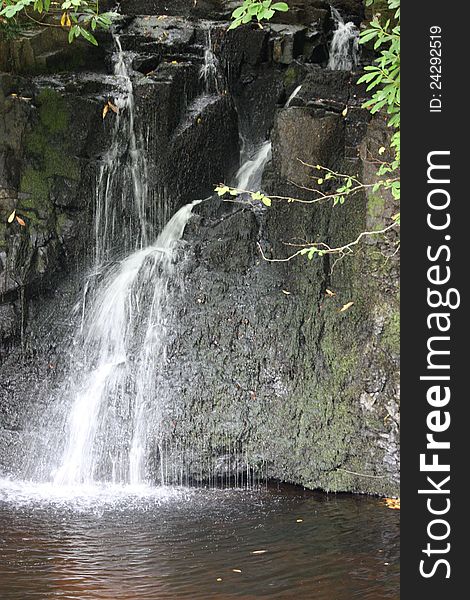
266	201
11	218
63	19
105	110
69	22
113	107
330	293
392	503
346	307
345	112
381	150
20	221
174	62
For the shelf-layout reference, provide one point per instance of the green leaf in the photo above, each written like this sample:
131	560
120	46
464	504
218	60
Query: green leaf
280	6
238	12
235	23
88	36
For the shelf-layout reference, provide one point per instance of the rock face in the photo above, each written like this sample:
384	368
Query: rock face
266	376
264	361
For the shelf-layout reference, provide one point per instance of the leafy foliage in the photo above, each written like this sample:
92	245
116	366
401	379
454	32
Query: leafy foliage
261	10
384	78
80	17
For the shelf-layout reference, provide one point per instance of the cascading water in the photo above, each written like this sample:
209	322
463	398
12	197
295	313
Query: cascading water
249	176
344	47
116	396
121	196
292	96
209	69
100	421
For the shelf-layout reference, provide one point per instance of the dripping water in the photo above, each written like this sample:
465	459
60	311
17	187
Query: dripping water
121	191
344	47
209	70
249	176
293	95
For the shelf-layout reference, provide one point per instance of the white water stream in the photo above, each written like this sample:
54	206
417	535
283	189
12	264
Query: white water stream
122	190
210	67
344	47
106	415
250	174
127	314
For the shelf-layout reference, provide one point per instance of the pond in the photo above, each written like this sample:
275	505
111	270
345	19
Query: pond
119	543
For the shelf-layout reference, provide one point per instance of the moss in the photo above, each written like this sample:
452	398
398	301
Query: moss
61	221
291	76
35	183
57	163
36	142
375	206
49	150
391	334
53	111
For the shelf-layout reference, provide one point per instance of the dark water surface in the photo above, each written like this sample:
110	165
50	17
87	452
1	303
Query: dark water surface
195	544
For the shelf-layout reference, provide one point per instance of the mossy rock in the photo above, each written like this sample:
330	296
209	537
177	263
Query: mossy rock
49	152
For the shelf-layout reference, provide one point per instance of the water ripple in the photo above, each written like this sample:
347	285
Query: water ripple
119	543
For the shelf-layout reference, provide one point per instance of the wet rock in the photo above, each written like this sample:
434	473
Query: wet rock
46	50
202	9
197	172
350	10
10	324
288	42
308	135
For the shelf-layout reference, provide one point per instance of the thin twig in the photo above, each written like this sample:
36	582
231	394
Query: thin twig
325	249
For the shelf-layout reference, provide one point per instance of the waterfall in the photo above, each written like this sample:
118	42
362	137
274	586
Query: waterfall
116	396
105	415
344	47
121	191
293	95
249	176
209	69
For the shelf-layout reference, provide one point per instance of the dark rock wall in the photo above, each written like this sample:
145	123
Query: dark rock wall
266	370
266	375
